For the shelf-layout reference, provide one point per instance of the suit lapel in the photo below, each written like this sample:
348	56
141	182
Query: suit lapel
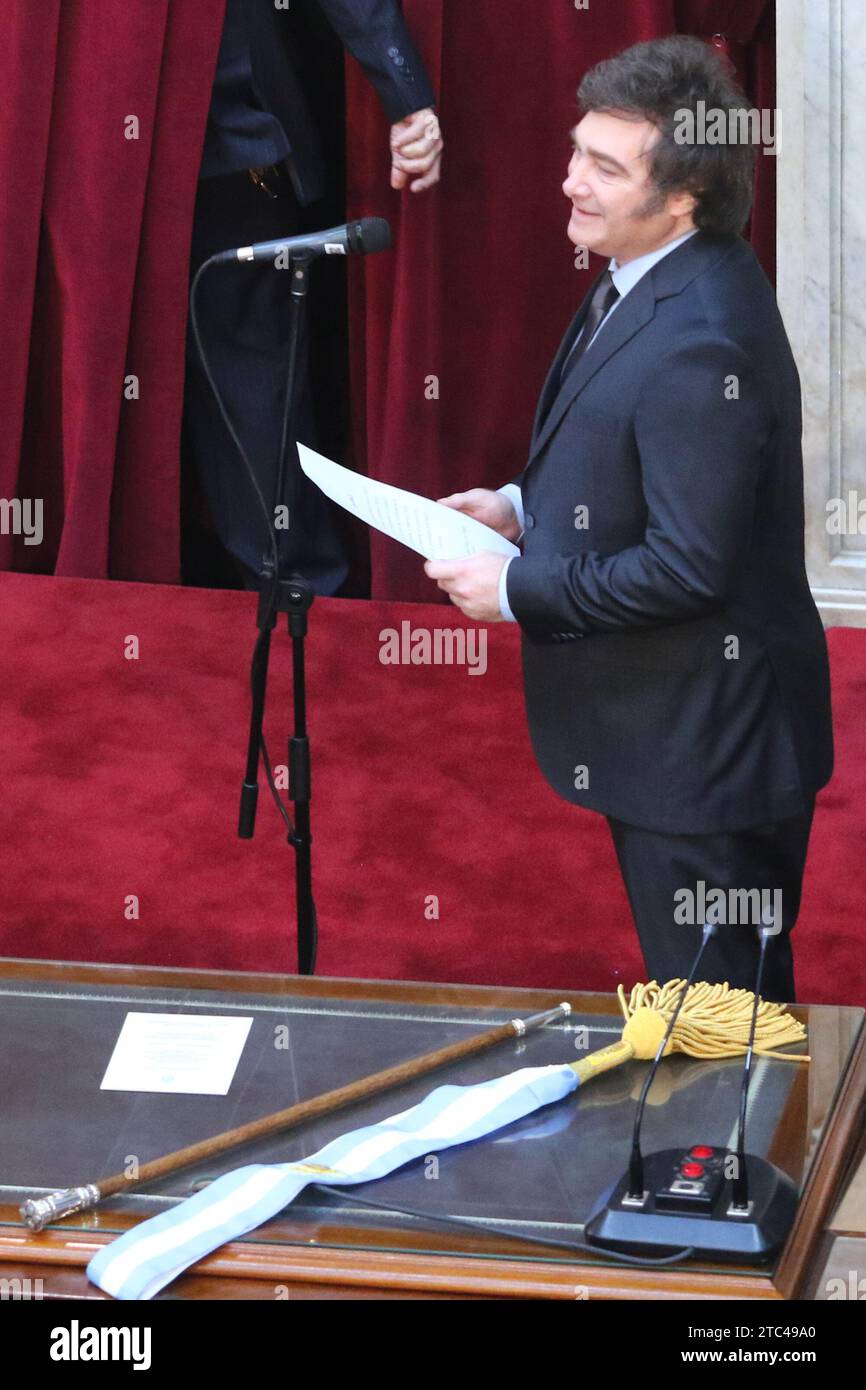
670	276
551	384
636	310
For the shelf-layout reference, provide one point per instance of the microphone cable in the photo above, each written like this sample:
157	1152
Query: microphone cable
259	495
486	1228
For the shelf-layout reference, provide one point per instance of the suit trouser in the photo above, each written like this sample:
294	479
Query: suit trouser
657	868
244	317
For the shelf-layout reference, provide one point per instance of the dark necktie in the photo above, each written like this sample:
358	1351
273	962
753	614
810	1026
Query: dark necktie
604	296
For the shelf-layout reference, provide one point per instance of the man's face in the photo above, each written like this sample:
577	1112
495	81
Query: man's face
616	209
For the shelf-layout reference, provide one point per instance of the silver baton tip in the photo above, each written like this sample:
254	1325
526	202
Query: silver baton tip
522	1026
40	1211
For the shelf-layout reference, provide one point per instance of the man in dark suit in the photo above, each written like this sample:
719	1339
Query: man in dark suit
675	664
262	165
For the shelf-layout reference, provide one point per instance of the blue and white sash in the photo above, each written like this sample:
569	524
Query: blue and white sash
146	1258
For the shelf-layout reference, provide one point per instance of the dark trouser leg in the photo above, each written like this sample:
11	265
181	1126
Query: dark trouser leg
244	317
656	868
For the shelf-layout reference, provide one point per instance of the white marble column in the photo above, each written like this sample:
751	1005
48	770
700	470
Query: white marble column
821	281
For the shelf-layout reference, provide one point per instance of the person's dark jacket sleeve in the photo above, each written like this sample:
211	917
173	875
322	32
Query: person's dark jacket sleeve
375	32
700	458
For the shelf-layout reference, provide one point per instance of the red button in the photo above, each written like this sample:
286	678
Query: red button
692	1170
701	1151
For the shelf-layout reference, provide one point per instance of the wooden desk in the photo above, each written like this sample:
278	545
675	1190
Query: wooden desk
59	1022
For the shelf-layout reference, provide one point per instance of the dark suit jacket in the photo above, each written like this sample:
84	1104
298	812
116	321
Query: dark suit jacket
695	537
374	32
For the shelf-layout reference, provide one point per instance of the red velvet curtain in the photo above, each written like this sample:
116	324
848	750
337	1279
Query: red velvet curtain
453	333
94	246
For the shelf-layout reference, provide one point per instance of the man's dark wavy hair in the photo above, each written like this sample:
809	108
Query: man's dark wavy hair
653	81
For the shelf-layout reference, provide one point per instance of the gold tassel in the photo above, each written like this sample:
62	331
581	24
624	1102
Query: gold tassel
714	1022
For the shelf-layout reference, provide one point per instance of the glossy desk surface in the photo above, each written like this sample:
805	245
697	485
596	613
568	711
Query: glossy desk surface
541	1177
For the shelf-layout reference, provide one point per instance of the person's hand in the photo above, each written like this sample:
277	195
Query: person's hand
416	148
492	509
472	583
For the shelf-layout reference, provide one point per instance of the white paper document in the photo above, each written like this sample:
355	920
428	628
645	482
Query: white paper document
434	531
187	1054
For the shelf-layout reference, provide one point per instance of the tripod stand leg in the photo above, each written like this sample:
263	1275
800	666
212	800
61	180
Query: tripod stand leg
300	791
301	839
250	788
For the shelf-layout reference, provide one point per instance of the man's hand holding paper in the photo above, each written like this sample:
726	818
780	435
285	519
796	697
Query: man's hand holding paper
473	584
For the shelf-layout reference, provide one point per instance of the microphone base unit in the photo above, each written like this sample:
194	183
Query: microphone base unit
688	1203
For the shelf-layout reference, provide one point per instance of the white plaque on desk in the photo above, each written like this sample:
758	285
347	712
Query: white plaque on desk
186	1054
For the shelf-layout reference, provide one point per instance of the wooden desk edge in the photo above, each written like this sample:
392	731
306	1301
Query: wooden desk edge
826	1175
415	1273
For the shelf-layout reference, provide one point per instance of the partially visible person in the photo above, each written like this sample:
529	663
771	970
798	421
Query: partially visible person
262	163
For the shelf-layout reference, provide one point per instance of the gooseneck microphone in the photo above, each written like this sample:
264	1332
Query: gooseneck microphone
700	1198
635	1167
361	238
740	1186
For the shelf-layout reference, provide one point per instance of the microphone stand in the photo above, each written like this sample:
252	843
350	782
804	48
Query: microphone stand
294	597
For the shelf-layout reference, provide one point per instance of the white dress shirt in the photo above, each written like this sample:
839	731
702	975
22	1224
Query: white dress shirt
625	277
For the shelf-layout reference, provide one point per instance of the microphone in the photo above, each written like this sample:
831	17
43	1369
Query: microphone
362	238
635	1168
740	1187
689	1200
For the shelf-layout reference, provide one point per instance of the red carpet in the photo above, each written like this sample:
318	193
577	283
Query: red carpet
121	777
